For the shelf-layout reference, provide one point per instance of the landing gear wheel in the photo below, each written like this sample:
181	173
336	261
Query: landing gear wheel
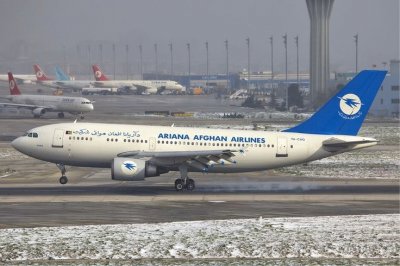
190	185
63	180
82	117
179	184
60	115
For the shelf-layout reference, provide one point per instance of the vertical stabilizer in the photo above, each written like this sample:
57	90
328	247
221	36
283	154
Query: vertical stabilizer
40	75
13	85
98	74
60	74
345	112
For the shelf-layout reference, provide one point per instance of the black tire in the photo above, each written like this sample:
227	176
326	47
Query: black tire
63	180
179	184
190	185
60	115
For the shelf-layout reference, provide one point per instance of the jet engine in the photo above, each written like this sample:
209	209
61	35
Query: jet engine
38	112
127	169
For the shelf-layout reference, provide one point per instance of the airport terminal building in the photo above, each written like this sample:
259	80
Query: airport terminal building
387	101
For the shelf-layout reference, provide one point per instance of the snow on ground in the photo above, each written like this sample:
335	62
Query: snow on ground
379	164
367	236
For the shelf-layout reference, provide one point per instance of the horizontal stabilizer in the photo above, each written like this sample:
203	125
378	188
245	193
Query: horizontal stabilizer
335	144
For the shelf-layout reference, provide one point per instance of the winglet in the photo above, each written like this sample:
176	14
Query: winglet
98	74
40	75
13	85
345	112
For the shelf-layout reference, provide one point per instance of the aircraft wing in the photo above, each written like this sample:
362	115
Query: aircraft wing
335	144
26	106
200	160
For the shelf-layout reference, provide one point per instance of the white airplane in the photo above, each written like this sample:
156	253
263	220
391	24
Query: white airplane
43	79
146	86
20	79
134	152
40	104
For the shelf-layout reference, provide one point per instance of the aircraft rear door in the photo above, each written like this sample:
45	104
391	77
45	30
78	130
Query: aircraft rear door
152	144
282	147
58	138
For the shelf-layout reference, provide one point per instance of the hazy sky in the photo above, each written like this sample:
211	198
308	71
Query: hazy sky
37	31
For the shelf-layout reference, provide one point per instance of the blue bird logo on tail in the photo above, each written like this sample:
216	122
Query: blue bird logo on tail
350	104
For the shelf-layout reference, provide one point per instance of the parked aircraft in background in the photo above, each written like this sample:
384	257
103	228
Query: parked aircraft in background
134	152
20	79
44	80
144	86
40	104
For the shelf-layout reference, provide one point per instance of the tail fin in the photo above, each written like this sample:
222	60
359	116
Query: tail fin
60	74
13	85
98	74
40	75
345	112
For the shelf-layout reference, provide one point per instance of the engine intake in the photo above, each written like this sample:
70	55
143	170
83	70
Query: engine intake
127	169
39	111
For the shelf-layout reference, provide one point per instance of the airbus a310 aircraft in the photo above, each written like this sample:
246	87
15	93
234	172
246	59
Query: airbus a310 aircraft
135	152
40	104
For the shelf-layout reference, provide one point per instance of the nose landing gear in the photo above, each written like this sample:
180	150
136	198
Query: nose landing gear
63	179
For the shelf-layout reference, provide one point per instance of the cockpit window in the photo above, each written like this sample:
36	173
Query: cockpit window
86	102
31	135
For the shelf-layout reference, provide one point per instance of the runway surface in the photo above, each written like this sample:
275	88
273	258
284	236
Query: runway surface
56	205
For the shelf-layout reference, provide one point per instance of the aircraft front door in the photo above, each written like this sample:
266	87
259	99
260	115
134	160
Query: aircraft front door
152	144
282	147
58	138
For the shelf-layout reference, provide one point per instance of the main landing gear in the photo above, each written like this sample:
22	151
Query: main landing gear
60	115
184	182
63	179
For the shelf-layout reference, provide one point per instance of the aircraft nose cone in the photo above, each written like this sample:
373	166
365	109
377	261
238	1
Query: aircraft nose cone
16	144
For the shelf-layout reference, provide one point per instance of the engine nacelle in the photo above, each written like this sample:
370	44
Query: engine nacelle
38	111
127	169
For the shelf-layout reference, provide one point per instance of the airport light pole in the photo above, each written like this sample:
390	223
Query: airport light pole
101	53
271	40
127	60
227	64
89	54
286	70
188	48
65	58
248	62
356	42
156	57
78	54
141	60
296	39
113	49
172	60
207	63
